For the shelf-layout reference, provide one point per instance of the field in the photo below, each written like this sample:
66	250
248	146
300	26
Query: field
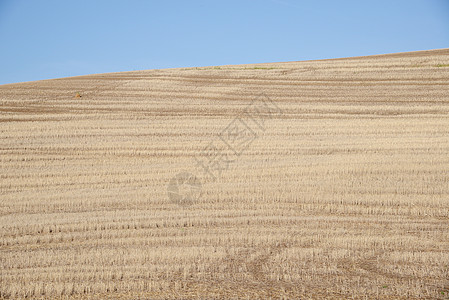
318	179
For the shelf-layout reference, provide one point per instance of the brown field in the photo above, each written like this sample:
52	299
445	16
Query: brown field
343	191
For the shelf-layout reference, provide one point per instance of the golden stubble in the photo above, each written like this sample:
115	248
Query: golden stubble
344	194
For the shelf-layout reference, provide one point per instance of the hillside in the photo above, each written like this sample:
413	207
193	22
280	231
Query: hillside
319	179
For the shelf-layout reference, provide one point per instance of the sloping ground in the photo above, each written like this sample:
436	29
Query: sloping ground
319	179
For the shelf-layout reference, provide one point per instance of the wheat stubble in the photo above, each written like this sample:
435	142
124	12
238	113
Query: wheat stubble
346	194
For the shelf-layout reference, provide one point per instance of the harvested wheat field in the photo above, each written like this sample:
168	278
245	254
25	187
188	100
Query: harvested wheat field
318	179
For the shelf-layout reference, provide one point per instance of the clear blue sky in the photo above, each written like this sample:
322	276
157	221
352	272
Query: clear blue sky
50	39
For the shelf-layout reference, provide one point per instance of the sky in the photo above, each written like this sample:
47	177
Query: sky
51	39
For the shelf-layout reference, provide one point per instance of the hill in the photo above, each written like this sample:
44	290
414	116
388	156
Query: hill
319	179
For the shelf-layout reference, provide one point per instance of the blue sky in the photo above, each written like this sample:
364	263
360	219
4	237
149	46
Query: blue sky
50	39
